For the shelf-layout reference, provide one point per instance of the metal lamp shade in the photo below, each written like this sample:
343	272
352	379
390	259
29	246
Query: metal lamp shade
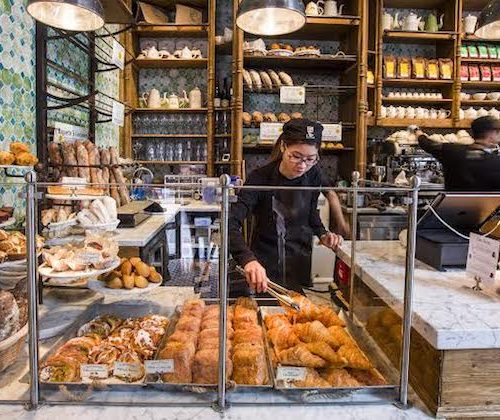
488	25
70	15
271	17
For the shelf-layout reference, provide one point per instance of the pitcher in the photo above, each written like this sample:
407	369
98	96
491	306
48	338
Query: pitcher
152	98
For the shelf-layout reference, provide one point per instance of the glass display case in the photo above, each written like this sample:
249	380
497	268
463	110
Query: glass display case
113	324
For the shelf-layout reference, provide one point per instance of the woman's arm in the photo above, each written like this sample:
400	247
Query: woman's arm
339	222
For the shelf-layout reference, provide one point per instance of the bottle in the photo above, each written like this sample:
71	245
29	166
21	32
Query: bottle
225	94
217	98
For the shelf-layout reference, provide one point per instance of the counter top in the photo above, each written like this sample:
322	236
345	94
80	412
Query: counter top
447	312
372	210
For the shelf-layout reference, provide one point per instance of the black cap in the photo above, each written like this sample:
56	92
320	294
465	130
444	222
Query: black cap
482	125
302	129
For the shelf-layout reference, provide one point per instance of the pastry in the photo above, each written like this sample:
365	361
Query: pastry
299	355
274	78
18	148
283	117
248	336
339	378
247	79
206	367
313	331
26	159
249	364
368	377
60	369
312	380
355	357
182	354
266	80
285	78
270	117
7	158
323	350
283	336
295	115
247	119
340	336
257	117
256	81
9	315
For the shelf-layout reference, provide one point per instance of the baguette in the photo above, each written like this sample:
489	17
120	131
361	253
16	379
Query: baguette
69	158
82	156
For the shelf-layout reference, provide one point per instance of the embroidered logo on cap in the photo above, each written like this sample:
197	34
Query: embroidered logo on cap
310	133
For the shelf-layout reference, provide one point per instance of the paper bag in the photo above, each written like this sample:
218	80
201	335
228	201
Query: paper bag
151	14
185	15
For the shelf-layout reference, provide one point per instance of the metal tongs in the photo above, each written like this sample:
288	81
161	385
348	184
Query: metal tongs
281	293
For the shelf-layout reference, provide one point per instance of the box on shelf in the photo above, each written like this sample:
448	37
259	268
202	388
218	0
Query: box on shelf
185	15
151	14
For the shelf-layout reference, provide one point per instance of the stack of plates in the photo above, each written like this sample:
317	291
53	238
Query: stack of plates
11	273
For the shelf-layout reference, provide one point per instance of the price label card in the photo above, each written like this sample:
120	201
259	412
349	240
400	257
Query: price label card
159	366
290	373
482	259
89	372
74	181
90	257
292	95
131	370
118	55
332	132
118	115
270	131
68	133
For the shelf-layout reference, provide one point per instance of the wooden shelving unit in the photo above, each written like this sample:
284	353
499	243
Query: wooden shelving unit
171	111
324	62
418	37
172	31
176	63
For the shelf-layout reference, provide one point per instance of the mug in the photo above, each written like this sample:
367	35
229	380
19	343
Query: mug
392	112
427	113
383	112
443	113
433	114
419	112
400	112
410	112
391	95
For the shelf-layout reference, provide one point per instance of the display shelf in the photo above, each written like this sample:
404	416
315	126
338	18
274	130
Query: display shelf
417	100
172	31
416	82
223	136
165	63
323	62
472	102
481	85
420	37
472	37
171	111
172	162
167	136
480	60
313	90
415	4
465	123
405	122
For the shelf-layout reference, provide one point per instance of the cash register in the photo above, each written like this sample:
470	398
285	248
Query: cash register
443	229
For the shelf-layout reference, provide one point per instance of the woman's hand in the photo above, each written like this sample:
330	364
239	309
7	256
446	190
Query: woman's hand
256	276
330	240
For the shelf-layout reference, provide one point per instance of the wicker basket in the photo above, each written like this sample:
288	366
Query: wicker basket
11	348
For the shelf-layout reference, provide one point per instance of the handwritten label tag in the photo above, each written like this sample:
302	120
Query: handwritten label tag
127	370
90	257
74	181
118	115
293	95
159	366
290	373
118	55
68	133
482	259
270	131
332	132
90	372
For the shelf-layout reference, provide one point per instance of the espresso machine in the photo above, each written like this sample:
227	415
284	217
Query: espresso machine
414	161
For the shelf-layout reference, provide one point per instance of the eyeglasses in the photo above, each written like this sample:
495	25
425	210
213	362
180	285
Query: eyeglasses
297	159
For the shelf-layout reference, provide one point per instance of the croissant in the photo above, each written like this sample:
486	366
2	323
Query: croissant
312	380
339	378
313	331
283	337
368	377
299	355
276	320
243	314
249	364
188	323
327	316
183	337
182	354
355	357
323	350
247	303
340	336
250	335
60	368
206	367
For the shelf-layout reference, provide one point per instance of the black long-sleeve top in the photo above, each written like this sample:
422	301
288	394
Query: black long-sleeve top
302	217
466	168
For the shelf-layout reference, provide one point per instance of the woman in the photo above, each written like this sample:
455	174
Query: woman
292	214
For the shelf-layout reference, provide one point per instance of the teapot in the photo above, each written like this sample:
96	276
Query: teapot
184	100
331	9
470	113
195	98
470	22
383	111
313	9
389	22
392	111
410	112
184	54
481	112
443	113
412	22
152	98
495	113
400	112
151	52
433	114
173	101
431	23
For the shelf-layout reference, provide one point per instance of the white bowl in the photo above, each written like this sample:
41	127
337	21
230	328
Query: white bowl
464	96
479	96
493	96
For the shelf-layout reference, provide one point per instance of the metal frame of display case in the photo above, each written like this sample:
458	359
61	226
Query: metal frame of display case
221	402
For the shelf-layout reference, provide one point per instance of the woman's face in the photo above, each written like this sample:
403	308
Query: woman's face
299	158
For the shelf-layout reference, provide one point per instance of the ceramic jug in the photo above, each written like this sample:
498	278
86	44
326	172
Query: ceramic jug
431	23
433	114
312	9
470	24
152	98
443	113
151	52
173	101
412	22
387	21
331	9
195	98
470	113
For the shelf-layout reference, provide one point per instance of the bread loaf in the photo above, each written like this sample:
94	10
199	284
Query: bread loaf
69	158
9	315
82	156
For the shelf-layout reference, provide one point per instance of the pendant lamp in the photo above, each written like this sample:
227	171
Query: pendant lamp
488	24
70	15
270	17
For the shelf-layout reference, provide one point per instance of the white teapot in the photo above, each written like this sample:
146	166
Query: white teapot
470	113
481	112
495	113
331	9
410	112
152	98
392	111
400	112
389	22
383	111
412	22
470	22
151	52
173	101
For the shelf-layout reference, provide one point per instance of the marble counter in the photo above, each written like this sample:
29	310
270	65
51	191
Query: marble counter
447	313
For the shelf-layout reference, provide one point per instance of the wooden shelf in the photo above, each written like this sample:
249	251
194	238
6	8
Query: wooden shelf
482	85
480	60
416	4
167	136
163	63
486	102
325	62
171	162
223	136
171	111
418	100
324	28
464	123
405	122
474	38
172	31
420	37
416	82
224	162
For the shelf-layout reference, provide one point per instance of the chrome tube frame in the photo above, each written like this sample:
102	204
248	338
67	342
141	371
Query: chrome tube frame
225	181
408	293
32	267
354	234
